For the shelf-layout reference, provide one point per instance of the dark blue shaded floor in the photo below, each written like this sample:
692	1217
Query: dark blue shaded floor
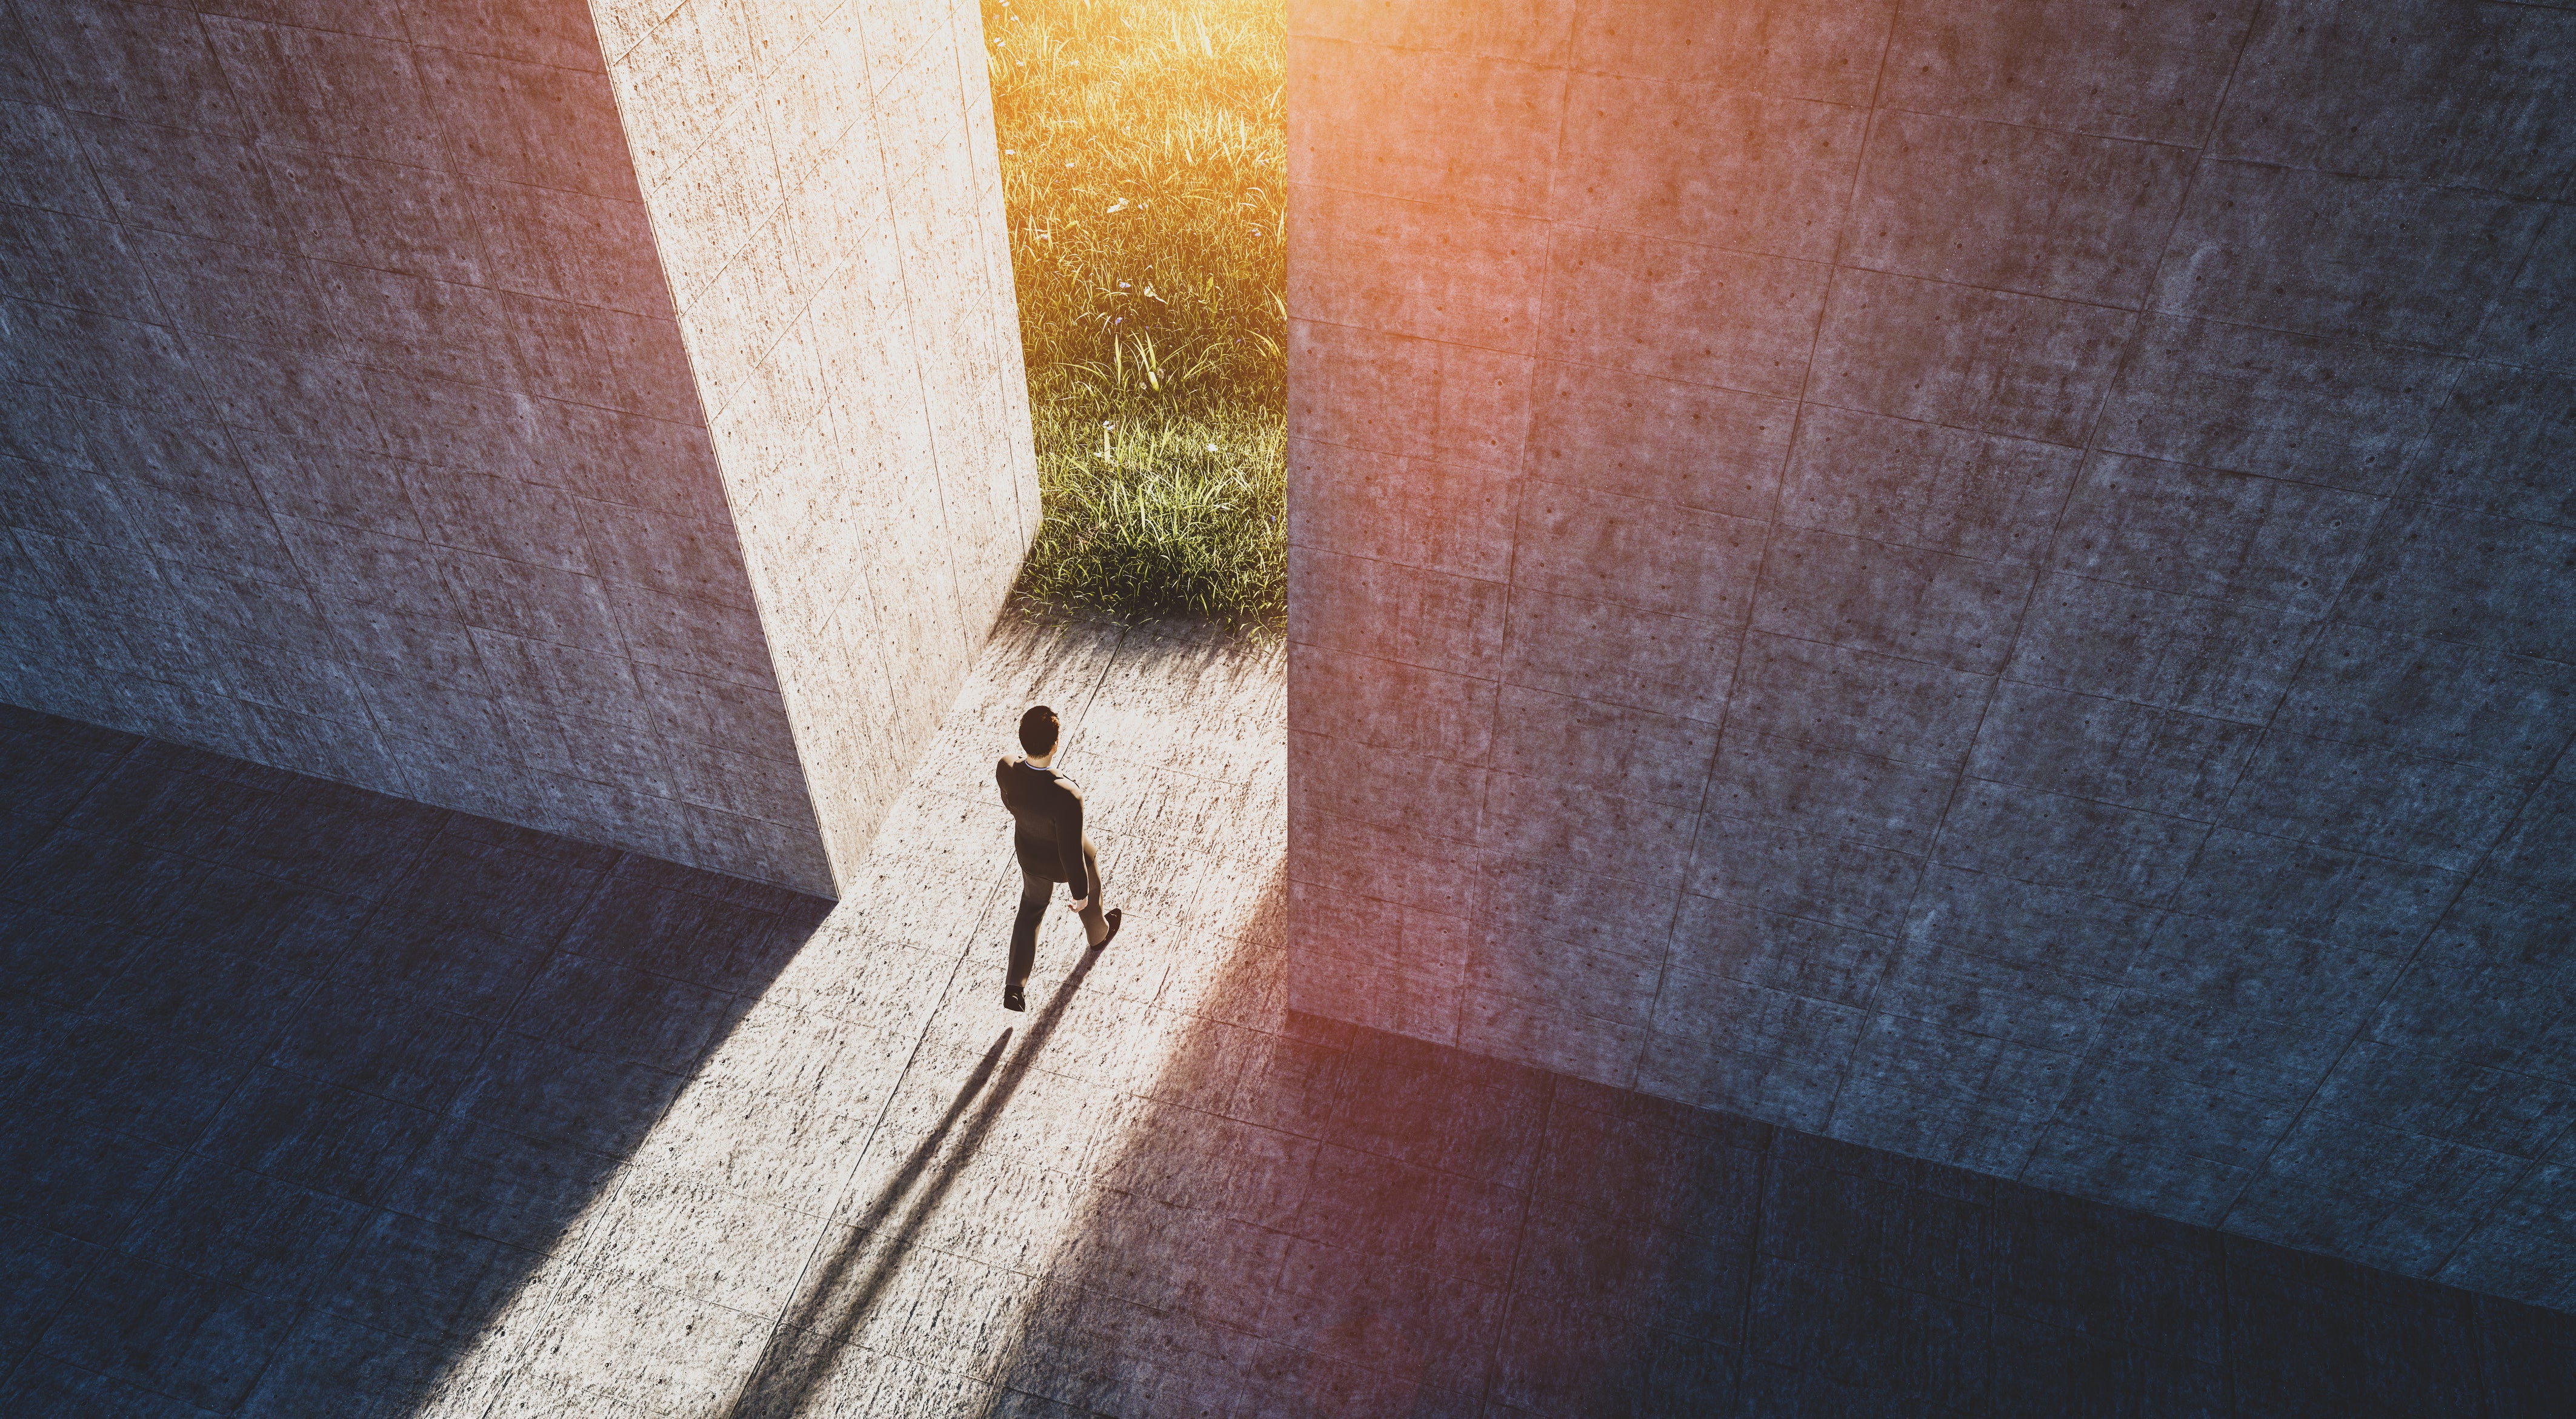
297	1083
1464	1237
300	1080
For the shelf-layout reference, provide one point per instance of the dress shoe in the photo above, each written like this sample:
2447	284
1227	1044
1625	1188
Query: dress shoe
1115	916
1012	999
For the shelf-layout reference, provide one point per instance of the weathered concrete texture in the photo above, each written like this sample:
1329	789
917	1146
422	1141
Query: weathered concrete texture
351	430
1989	579
361	368
825	186
315	1102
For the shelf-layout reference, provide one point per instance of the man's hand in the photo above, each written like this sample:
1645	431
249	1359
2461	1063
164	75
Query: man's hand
1077	904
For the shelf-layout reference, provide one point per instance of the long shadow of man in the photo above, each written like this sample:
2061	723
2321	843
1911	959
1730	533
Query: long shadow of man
806	1345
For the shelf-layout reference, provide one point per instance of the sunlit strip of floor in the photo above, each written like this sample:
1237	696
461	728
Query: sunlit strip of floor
866	1189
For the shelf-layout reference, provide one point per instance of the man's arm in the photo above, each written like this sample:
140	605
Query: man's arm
1068	842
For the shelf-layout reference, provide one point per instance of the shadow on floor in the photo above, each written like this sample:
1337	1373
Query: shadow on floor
1318	1219
299	1080
818	1328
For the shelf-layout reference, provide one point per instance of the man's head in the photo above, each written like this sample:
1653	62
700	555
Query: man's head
1038	729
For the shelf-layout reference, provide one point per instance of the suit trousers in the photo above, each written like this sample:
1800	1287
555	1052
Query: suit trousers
1035	893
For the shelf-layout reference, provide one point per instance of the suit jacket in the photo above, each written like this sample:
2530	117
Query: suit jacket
1047	807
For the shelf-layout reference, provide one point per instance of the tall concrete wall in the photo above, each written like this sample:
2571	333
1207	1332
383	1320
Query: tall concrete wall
827	191
1996	580
355	427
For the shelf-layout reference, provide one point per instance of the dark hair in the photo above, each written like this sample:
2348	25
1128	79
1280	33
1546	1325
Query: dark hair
1038	730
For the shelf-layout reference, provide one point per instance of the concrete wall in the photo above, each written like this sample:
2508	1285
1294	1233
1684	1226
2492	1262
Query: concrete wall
827	191
1995	580
355	428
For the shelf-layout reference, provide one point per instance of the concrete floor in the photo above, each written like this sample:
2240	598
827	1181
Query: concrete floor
320	1103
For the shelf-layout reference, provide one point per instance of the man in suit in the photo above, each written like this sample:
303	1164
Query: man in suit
1047	807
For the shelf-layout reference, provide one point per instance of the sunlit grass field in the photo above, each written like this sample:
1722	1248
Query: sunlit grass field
1144	165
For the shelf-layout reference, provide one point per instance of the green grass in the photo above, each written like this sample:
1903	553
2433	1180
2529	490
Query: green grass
1144	165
